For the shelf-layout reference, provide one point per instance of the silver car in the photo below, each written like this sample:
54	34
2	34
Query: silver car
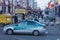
31	27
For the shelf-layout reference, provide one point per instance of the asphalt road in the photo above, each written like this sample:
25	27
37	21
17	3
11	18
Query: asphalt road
53	34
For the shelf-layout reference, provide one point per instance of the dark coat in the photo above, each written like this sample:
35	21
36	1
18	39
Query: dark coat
15	19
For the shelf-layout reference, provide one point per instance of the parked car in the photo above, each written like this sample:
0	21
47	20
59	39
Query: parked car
32	27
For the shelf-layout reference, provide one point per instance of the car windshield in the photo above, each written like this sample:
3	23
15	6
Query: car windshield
32	23
38	24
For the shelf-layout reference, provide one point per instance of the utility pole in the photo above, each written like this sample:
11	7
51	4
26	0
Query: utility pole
3	6
27	6
12	6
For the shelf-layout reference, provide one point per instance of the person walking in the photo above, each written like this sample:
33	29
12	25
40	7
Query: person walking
15	18
36	19
23	18
1	12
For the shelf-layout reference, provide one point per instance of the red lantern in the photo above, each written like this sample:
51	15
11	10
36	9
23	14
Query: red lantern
49	5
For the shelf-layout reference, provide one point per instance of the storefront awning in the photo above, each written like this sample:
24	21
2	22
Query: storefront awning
22	11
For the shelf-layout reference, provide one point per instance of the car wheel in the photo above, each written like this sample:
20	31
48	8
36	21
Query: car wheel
9	32
36	33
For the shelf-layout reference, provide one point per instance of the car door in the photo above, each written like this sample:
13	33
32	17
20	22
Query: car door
30	26
20	27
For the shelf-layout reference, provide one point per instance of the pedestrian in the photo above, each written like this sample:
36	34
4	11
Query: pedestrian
15	18
1	12
23	17
41	20
9	7
52	15
36	19
40	14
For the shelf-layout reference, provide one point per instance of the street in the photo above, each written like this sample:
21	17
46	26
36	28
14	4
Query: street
53	34
24	13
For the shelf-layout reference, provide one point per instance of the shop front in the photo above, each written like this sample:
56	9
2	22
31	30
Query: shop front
20	13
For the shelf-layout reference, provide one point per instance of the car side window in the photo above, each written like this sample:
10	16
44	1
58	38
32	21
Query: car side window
30	23
22	23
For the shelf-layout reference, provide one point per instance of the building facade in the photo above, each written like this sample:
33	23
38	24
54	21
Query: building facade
35	5
8	6
31	3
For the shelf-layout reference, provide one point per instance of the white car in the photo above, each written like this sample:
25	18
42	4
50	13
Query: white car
31	27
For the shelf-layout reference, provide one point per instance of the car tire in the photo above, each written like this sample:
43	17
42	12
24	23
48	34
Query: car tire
36	33
9	32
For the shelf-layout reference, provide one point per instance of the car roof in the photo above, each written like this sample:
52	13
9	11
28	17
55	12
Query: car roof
30	20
